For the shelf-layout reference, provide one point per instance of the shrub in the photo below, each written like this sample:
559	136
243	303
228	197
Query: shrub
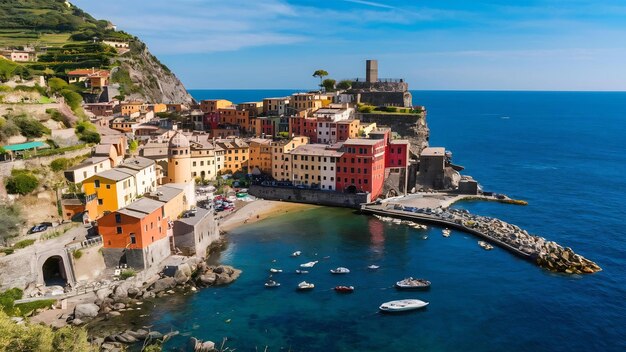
23	244
29	127
56	84
72	99
22	184
90	137
366	109
127	273
59	164
77	254
11	222
25	309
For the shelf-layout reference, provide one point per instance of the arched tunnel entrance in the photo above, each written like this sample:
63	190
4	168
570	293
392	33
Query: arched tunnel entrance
54	272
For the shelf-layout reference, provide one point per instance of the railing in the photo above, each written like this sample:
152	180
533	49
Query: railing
85	244
379	80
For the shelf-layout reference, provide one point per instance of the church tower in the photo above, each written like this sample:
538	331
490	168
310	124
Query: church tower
179	160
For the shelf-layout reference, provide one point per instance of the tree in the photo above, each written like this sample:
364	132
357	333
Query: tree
321	74
329	84
344	85
56	85
59	164
29	127
11	221
22	183
132	146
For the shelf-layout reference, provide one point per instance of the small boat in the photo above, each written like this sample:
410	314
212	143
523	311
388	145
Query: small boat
309	264
446	232
340	270
402	305
413	284
397	221
272	283
420	227
486	246
373	267
272	270
301	271
296	254
305	286
344	289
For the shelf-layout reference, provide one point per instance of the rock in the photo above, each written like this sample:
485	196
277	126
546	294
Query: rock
147	295
164	284
139	334
114	314
126	338
104	293
97	341
77	322
207	279
182	274
118	306
218	270
107	346
86	310
155	335
134	292
199	346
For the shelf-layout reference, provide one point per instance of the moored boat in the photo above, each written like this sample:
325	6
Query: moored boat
272	270
296	254
340	270
309	264
298	271
446	232
413	284
373	267
305	286
486	246
402	305
344	289
272	283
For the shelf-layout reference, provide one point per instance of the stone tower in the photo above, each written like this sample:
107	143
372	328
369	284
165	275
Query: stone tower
179	160
371	71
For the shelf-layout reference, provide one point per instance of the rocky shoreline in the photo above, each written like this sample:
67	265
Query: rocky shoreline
129	295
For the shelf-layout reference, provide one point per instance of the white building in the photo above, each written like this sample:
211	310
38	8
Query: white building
145	176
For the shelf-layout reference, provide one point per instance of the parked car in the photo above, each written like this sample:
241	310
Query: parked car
40	227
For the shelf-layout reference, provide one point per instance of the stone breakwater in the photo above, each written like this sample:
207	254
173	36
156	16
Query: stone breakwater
130	294
546	254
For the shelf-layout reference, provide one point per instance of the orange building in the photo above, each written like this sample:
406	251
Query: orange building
130	107
234	117
213	105
260	155
136	235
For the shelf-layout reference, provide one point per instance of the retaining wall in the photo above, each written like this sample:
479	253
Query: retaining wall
310	196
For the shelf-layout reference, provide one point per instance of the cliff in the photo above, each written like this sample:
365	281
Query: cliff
138	74
412	127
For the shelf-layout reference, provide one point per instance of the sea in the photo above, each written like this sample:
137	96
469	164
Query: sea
563	152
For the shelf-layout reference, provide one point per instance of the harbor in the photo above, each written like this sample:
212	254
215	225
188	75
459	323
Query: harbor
547	254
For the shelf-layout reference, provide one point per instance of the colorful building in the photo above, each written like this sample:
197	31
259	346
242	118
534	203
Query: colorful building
362	166
113	189
260	155
303	126
275	106
213	105
281	159
236	155
314	165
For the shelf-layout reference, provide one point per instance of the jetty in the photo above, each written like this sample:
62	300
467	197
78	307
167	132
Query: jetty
546	254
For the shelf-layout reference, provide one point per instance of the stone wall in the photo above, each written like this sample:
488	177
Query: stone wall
310	196
138	259
90	265
379	86
194	240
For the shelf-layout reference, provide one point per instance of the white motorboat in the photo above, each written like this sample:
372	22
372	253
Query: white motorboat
296	254
301	271
413	284
340	270
305	285
420	227
484	245
272	283
373	267
446	232
402	305
309	264
397	221
272	270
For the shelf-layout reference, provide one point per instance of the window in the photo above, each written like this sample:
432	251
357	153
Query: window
194	163
118	219
97	183
133	240
119	228
100	202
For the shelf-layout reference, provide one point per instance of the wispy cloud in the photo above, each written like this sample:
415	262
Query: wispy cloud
370	3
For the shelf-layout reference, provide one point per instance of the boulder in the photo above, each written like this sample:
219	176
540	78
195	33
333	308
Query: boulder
114	314
126	338
134	292
207	279
183	273
103	293
121	291
155	335
118	306
163	284
199	346
77	322
86	310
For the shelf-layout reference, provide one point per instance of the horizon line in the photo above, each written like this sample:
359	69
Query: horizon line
433	90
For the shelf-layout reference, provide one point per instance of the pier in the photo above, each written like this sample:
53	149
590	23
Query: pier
546	254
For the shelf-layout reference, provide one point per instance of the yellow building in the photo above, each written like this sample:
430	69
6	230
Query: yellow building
207	158
236	154
130	107
179	160
281	159
113	189
309	101
260	155
174	199
213	105
314	165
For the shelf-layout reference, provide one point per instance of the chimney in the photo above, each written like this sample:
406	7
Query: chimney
371	71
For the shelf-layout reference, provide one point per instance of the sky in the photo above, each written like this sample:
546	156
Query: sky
431	44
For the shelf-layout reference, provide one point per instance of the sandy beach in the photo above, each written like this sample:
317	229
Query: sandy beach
259	210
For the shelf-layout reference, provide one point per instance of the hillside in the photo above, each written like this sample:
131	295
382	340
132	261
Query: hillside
67	38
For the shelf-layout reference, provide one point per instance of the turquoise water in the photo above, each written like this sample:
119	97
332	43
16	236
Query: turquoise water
563	152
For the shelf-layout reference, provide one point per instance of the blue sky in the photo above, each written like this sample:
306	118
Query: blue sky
432	44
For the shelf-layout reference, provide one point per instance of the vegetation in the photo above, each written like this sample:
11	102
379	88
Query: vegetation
329	84
344	85
132	146
56	85
125	274
22	183
11	222
8	128
35	337
10	69
86	132
59	164
367	109
77	254
30	127
23	244
320	74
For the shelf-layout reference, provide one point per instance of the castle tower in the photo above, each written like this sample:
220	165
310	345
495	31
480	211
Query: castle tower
179	160
371	71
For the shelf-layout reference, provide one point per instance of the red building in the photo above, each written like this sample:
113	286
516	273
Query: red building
303	126
397	153
362	166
